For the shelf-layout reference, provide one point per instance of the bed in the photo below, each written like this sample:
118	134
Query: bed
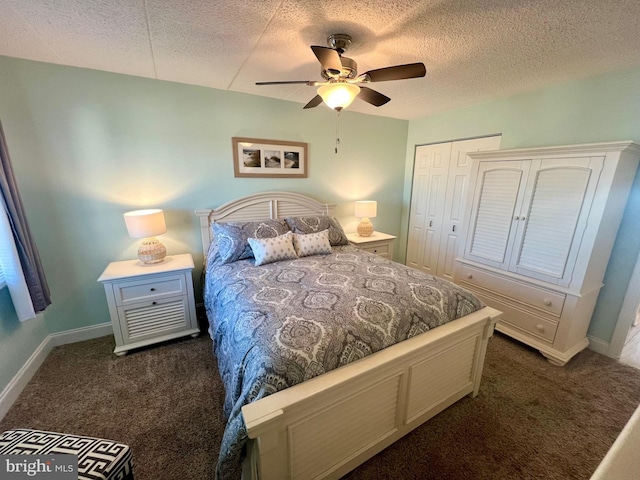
324	406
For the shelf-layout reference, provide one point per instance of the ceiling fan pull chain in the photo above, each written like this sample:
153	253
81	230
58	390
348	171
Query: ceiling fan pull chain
337	131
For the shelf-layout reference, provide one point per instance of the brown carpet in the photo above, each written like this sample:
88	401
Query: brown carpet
530	420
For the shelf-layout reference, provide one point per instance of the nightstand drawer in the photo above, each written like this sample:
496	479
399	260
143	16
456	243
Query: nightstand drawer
378	243
149	289
153	318
382	249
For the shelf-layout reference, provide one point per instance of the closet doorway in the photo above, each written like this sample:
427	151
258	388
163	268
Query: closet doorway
625	343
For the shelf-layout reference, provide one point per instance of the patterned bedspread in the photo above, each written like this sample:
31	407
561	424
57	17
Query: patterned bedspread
277	325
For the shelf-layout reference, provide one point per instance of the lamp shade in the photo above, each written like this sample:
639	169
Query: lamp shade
366	208
145	223
338	95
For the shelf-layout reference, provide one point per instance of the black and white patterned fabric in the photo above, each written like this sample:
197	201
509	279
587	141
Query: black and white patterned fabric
98	459
277	325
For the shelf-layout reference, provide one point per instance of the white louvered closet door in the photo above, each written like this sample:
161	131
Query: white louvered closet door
497	197
557	201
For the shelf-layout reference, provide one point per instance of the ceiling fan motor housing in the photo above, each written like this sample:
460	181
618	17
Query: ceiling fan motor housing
339	41
349	70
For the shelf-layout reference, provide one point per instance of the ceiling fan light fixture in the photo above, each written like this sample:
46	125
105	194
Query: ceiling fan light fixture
338	95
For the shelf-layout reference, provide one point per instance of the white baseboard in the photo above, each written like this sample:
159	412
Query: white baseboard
11	392
82	334
599	346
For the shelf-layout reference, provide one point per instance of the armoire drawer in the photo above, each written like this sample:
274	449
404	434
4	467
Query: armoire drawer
531	324
540	298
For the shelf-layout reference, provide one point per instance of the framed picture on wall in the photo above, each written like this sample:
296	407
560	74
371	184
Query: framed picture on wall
254	157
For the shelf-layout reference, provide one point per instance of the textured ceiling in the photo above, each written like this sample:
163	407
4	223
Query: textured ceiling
473	50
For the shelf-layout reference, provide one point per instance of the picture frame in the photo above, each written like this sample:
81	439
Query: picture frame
256	157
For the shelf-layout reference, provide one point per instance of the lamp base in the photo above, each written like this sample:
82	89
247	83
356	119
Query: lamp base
151	251
365	227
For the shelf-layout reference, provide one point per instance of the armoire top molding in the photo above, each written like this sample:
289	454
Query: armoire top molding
591	148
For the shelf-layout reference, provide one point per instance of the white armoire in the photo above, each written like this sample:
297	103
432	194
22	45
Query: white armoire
541	226
438	198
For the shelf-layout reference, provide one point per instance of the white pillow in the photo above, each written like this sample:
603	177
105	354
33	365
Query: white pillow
312	243
269	250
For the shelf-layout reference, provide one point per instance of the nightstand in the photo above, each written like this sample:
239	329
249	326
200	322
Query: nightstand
378	243
150	303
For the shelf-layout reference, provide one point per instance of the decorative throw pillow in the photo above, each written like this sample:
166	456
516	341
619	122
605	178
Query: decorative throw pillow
312	243
317	224
231	238
269	250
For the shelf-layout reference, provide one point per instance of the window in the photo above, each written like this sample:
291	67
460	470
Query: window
21	267
12	275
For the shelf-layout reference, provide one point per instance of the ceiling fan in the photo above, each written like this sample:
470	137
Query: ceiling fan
341	80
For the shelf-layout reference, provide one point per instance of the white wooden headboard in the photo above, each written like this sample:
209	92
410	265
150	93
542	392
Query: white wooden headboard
260	206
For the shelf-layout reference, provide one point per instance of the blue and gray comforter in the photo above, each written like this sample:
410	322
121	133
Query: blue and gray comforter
277	325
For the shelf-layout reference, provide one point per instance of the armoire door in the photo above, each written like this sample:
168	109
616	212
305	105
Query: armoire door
553	217
498	195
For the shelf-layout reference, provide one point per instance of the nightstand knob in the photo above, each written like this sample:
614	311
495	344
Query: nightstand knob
153	289
375	251
540	328
469	275
547	302
154	303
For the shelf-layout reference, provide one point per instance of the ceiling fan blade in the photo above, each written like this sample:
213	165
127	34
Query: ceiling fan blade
311	83
371	96
315	101
329	59
398	72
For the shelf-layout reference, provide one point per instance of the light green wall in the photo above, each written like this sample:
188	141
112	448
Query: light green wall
88	146
598	109
18	340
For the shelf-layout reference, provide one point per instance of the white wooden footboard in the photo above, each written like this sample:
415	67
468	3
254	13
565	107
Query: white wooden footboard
326	426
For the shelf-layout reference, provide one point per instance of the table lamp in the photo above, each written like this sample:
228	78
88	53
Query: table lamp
147	224
366	209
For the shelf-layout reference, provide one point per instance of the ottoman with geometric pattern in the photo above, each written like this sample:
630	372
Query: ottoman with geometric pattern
98	459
